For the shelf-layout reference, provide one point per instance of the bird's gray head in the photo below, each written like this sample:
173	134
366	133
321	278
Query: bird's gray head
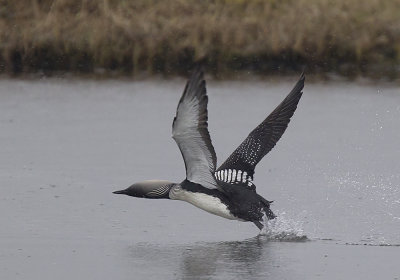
148	189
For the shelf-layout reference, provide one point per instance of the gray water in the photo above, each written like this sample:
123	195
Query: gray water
65	145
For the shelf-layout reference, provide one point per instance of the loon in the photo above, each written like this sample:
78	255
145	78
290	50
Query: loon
227	191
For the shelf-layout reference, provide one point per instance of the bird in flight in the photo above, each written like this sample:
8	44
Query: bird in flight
227	191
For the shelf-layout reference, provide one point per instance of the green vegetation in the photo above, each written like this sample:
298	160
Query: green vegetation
155	36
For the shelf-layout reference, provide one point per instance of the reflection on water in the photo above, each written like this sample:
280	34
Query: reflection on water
237	257
255	257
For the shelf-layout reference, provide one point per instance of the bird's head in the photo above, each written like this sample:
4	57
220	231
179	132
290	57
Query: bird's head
148	189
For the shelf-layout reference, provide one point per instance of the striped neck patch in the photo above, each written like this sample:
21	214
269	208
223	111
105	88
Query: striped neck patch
233	176
159	192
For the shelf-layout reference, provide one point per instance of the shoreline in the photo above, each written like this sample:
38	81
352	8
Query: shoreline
243	75
239	78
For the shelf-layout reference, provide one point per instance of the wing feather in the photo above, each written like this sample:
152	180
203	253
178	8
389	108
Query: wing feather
190	132
265	136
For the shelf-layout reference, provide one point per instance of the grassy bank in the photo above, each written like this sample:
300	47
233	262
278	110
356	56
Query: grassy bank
346	36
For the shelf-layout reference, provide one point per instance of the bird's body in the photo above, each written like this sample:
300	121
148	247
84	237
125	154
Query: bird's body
228	191
212	201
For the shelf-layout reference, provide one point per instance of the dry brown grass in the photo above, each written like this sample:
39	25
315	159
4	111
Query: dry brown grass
167	36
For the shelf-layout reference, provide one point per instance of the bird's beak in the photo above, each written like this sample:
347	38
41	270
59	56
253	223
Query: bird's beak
120	192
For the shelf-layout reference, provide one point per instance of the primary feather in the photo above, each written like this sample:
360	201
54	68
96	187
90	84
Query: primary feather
264	137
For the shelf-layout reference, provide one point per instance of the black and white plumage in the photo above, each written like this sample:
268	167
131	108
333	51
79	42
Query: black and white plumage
228	191
262	139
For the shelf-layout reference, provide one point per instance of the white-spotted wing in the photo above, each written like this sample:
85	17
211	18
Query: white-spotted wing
240	165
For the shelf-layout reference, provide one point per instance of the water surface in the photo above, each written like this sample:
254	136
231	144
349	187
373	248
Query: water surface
67	144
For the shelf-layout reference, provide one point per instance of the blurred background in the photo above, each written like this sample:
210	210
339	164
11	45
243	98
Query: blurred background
122	37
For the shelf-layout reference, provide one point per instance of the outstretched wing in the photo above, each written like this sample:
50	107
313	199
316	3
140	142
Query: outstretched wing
190	132
240	165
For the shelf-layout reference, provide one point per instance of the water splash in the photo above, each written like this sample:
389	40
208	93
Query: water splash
283	228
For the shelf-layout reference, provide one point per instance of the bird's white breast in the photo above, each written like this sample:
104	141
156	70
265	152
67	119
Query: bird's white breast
204	201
